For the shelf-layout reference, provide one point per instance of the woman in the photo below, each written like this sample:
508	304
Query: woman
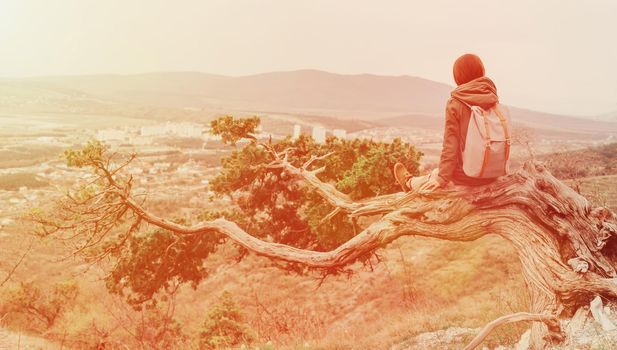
473	89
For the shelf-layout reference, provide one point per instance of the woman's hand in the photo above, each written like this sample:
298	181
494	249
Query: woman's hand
429	186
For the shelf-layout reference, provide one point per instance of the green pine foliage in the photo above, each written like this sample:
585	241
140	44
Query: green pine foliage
233	130
224	326
280	207
40	306
156	259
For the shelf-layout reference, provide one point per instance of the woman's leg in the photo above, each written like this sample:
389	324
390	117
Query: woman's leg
402	176
416	182
408	182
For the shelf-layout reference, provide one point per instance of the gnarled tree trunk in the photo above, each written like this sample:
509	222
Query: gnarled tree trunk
565	246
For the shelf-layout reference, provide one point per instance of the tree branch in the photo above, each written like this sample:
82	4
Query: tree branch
550	321
370	206
16	265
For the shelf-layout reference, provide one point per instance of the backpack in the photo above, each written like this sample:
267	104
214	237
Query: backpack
487	146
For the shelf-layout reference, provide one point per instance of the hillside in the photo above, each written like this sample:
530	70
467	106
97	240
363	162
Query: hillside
588	162
545	125
610	116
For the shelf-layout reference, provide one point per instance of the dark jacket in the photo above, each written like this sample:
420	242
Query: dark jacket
478	92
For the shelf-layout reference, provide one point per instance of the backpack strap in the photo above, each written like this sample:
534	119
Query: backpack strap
487	145
506	134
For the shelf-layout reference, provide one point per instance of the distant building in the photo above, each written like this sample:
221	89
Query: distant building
153	130
185	129
210	136
159	167
340	133
135	170
297	131
111	135
319	134
6	221
173	129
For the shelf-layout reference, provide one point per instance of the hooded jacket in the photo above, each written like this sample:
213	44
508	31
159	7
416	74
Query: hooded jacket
477	92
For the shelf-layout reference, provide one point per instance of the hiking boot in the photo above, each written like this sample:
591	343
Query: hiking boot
402	176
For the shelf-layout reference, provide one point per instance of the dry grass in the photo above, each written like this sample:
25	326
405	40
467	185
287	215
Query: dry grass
601	190
422	285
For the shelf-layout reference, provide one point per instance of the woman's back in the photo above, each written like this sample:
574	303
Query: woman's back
478	92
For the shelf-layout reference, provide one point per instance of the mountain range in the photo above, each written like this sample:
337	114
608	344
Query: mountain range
387	100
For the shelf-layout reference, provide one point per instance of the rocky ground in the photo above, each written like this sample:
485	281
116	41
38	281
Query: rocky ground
587	334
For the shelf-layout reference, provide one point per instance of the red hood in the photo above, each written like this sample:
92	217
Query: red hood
478	92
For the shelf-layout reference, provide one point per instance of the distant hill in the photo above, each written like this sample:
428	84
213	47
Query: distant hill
389	100
587	162
546	125
307	91
610	117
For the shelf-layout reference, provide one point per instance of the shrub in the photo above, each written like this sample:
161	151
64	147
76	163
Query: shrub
224	326
41	306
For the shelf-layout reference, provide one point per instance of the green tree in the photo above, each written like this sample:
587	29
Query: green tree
224	326
43	305
233	130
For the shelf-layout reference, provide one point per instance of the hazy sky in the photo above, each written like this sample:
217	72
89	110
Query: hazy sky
556	56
